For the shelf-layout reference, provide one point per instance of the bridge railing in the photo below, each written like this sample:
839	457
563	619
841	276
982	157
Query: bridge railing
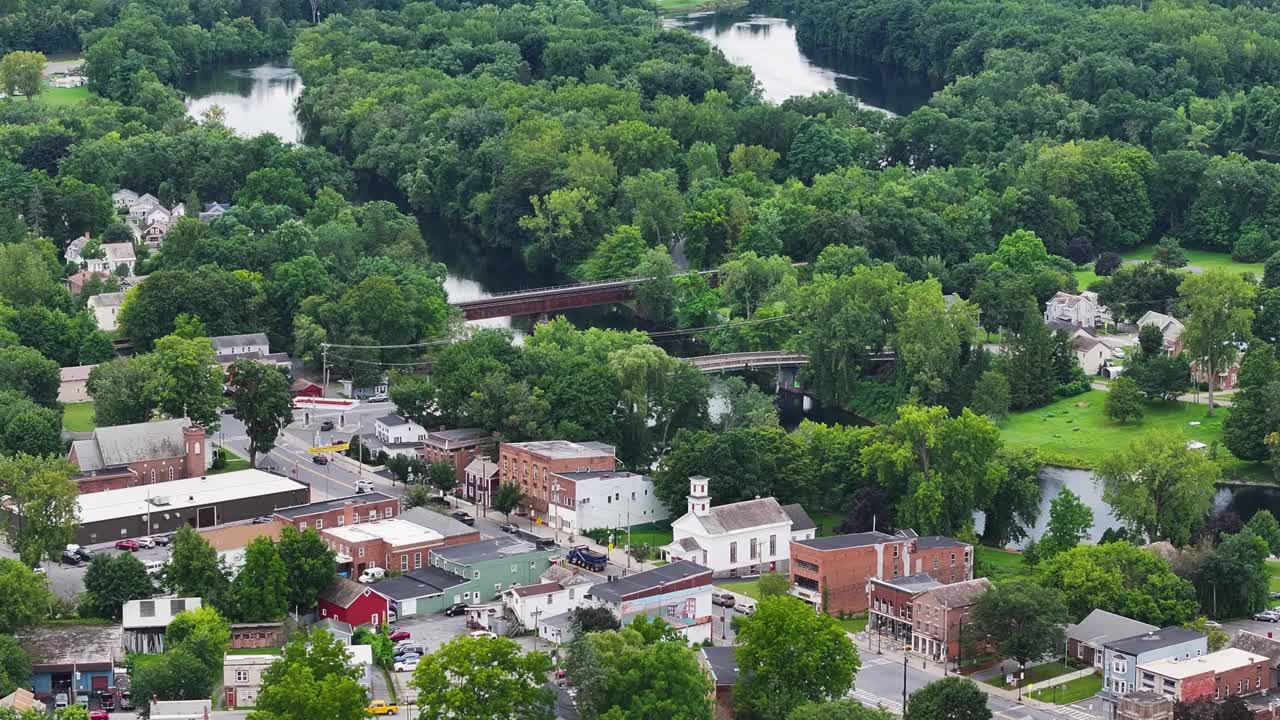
574	286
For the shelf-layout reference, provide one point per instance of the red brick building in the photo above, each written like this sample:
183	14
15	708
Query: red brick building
457	447
338	512
835	570
531	464
939	616
124	456
352	603
392	543
890	604
1231	672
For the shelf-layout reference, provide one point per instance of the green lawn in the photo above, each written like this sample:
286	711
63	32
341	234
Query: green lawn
1037	673
1273	567
854	624
1000	564
1071	691
234	462
63	97
656	534
750	588
77	417
826	522
1200	258
1074	432
669	7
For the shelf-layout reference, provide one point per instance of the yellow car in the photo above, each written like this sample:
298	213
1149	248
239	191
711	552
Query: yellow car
381	707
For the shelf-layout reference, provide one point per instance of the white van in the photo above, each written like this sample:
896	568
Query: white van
372	574
154	567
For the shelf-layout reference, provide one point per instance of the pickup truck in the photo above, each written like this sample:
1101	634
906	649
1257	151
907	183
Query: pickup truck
585	557
381	707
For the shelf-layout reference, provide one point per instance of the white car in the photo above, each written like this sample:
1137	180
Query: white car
483	634
146	542
407	665
379	397
364	486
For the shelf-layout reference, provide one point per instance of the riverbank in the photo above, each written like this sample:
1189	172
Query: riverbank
676	7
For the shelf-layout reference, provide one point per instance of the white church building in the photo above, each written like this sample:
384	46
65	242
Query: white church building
740	539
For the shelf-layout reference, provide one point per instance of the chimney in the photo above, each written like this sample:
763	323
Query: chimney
347	509
193	463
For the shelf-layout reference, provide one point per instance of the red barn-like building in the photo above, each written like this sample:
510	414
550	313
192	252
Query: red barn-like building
353	603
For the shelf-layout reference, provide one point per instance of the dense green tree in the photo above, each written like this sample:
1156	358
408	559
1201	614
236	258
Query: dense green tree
15	666
120	389
1028	364
838	710
42	504
261	396
1014	503
28	428
27	371
313	678
308	564
1070	521
194	569
506	499
951	698
1023	619
1219	314
478	678
113	580
1159	487
259	589
173	675
1124	401
186	382
1233	579
1264	525
28	596
415	398
22	73
991	395
1120	578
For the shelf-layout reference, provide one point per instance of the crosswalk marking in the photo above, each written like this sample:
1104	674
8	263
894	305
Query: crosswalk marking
1075	713
866	698
876	661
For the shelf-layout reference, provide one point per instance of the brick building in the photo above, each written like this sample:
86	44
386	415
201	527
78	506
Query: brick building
456	447
1218	675
939	617
531	464
123	456
392	543
890	603
721	665
337	512
835	570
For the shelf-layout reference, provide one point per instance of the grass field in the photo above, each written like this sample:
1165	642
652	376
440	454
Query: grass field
1071	691
1070	435
234	462
826	522
750	588
673	7
64	97
656	534
77	417
1037	673
1273	567
1001	564
1199	258
853	624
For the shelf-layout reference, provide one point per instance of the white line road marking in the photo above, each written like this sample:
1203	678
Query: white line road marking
866	698
877	661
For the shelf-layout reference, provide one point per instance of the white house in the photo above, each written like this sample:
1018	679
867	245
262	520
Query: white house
396	430
531	603
179	210
156	215
75	249
587	500
143	205
1092	354
1170	327
229	345
113	256
145	621
124	198
1081	310
678	594
106	308
213	211
743	538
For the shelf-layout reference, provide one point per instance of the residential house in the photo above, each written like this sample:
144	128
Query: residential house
457	447
78	660
420	592
1170	328
480	482
124	198
352	603
678	593
73	384
890	603
1086	638
546	599
106	310
491	566
1122	657
153	234
939	615
229	347
121	456
156	216
242	678
1261	645
114	256
1081	310
743	538
340	511
835	569
76	281
75	249
1225	378
721	665
145	202
591	499
1230	672
177	211
1092	354
530	464
213	211
337	628
378	388
361	658
257	635
397	435
144	621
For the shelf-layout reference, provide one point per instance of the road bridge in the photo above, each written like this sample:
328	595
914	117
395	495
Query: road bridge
539	301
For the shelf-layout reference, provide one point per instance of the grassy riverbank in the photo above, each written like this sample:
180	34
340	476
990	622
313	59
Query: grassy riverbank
1203	259
675	7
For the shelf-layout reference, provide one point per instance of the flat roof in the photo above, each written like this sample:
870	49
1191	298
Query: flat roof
458	437
393	531
72	644
589	475
424	582
1215	662
181	494
295	511
561	449
843	542
482	550
616	590
1163	637
723	661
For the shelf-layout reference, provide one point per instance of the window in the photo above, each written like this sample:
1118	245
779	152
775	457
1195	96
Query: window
360	552
1217	693
753	549
417	560
373	620
608	499
176	606
302	525
1119	666
404	562
633	494
532	564
475	574
388	512
773	545
515	569
550	599
170	472
497	588
733	552
466	596
953	559
153	474
935	562
373	514
570	593
242	676
319	523
341	520
147	608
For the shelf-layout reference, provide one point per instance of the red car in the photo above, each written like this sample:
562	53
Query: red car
399	635
98	714
130	545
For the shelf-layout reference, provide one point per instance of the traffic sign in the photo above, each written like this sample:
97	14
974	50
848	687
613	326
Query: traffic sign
339	447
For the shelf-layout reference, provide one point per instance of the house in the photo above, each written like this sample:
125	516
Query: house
340	511
156	216
114	256
890	602
179	210
73	384
124	198
743	538
338	629
480	482
305	388
106	309
1092	354
145	202
213	211
591	499
679	594
1224	379
939	615
242	678
1230	672
257	635
144	622
78	660
398	435
491	566
76	281
1081	310
457	447
1170	328
420	592
1122	657
199	502
528	603
1261	645
230	346
153	234
721	665
453	531
835	570
361	658
378	388
121	456
74	253
352	603
528	465
391	543
1086	638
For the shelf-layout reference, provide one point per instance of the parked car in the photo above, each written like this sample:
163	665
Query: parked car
162	540
146	542
546	544
39	570
455	609
484	634
154	567
70	558
723	599
98	714
1275	594
1267	616
372	574
463	517
130	545
60	701
406	648
364	486
320	459
326	426
745	608
378	397
381	707
399	635
408	657
79	552
409	666
507	528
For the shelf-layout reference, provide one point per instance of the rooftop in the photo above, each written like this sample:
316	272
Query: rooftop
928	542
484	550
800	519
917	583
180	494
222	342
157	612
76	373
297	511
539	589
723	662
106	300
563	449
578	476
432	520
722	519
393	531
120	445
332	625
1154	640
1101	626
482	468
458	437
852	540
392	420
1259	644
1214	662
423	582
72	644
118	251
234	537
343	592
616	590
961	594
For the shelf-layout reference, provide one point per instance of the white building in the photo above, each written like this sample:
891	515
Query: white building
1170	327
106	309
587	500
532	603
225	346
145	621
1092	354
1080	310
124	198
678	594
396	430
113	256
740	539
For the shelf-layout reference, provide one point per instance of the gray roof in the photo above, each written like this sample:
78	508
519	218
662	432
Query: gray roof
800	519
561	449
343	592
459	437
614	591
746	514
70	644
334	626
938	541
723	661
120	445
961	594
392	420
1255	643
474	552
1101	626
688	544
433	520
226	341
423	582
1145	642
331	504
111	299
483	468
841	542
917	583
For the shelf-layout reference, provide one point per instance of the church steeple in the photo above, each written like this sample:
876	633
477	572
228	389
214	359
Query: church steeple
699	500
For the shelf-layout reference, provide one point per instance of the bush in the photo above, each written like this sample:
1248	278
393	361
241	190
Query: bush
1107	264
1078	386
219	459
1255	244
1080	249
599	535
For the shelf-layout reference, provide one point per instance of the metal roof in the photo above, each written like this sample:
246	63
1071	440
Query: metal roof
296	511
483	550
615	590
1154	640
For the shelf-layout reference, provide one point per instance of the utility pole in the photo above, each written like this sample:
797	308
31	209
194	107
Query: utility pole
904	684
324	363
